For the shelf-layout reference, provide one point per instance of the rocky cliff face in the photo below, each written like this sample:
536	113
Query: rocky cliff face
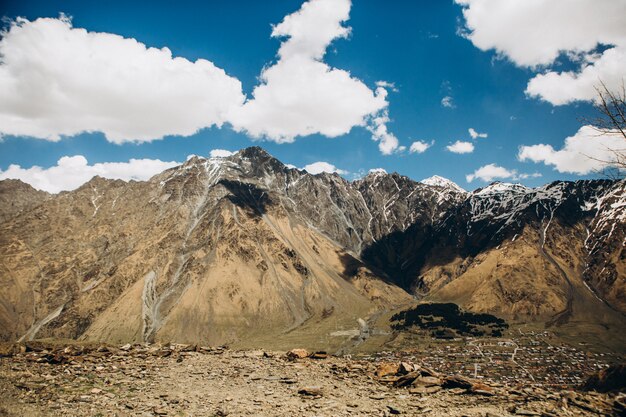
17	197
244	248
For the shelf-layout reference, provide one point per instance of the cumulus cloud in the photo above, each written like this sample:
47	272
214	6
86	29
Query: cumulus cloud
585	152
387	85
321	166
57	80
71	172
492	172
461	147
448	102
387	142
489	173
301	95
475	135
535	33
559	88
220	153
420	146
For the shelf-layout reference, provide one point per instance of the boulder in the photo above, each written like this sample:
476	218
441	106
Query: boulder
456	381
387	368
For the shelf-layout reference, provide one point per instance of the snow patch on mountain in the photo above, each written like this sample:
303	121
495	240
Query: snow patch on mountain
437	181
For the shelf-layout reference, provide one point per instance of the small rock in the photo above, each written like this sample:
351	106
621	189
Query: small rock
427	381
406	367
481	389
425	390
297	354
387	368
319	355
393	410
456	381
406	380
310	391
523	412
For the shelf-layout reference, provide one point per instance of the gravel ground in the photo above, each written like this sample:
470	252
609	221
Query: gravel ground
179	380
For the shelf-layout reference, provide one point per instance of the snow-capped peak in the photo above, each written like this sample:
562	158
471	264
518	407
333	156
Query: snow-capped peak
376	171
502	187
437	181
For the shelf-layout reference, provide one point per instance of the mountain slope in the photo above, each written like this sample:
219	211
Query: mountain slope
245	250
199	253
17	197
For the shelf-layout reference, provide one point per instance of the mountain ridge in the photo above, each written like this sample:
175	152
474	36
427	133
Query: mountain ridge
143	249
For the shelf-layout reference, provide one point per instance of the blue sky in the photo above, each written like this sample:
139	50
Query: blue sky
417	46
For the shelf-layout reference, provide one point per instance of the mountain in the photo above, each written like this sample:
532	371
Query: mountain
444	183
17	197
246	250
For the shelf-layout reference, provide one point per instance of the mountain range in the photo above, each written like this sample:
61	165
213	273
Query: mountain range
248	251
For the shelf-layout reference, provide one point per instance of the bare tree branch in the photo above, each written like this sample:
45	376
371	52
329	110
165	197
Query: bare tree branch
611	107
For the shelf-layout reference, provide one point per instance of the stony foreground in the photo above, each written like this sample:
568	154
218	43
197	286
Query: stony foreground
179	380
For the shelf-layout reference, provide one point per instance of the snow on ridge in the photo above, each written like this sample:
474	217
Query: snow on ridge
611	212
377	171
502	187
437	181
505	201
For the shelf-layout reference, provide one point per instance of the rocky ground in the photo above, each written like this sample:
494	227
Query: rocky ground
180	380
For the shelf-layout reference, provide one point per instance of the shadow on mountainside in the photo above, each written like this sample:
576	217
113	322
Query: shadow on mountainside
400	255
247	197
403	256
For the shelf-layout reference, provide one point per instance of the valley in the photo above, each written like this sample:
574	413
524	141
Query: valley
246	251
418	297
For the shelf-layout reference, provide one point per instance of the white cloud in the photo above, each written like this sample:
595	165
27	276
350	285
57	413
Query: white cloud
461	147
321	166
525	176
377	171
535	33
559	88
491	172
387	142
220	153
420	146
57	81
302	95
448	102
475	135
71	172
585	152
387	85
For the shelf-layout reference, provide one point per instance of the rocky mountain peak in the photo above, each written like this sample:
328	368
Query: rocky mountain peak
17	197
254	152
498	187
